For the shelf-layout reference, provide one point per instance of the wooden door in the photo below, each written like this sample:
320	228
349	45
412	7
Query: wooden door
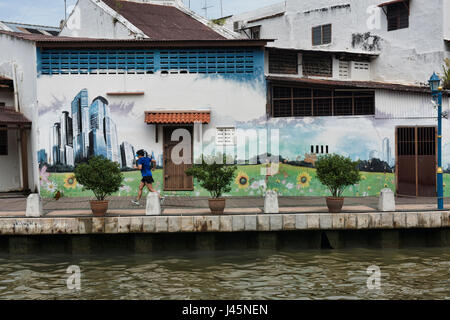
416	161
175	178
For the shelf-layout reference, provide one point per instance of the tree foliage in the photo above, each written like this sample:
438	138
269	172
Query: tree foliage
214	174
337	173
100	175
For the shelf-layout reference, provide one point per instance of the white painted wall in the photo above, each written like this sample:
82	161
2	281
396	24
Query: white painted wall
406	56
229	101
94	19
446	18
402	105
23	54
10	165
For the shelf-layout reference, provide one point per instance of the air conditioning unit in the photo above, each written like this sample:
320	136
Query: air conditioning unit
238	25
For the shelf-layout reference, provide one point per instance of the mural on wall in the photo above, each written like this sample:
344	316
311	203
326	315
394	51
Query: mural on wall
87	130
81	127
76	123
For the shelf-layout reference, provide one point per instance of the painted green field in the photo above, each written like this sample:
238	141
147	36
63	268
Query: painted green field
249	181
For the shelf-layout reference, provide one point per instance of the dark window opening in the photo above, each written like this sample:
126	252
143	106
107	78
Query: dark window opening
319	149
317	65
406	142
307	102
255	32
321	35
398	15
3	141
283	62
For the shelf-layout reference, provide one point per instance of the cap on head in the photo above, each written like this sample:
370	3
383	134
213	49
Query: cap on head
141	153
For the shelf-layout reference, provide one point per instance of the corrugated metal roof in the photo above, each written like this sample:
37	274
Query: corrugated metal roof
354	84
178	117
31	28
62	42
163	22
9	116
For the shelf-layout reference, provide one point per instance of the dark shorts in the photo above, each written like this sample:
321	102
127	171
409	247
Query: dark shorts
147	180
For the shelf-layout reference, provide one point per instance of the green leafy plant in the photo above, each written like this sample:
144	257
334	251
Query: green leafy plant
446	75
337	173
100	175
214	174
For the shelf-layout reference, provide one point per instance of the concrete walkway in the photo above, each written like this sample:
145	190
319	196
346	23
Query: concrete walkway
15	207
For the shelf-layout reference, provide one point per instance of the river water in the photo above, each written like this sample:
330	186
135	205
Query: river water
310	274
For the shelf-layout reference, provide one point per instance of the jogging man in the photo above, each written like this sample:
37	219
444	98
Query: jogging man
144	163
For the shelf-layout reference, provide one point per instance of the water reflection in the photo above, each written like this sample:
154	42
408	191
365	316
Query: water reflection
339	274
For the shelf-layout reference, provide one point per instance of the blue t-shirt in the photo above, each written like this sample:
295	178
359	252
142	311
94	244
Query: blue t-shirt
146	163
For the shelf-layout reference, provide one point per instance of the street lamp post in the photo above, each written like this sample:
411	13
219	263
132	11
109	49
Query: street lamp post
436	93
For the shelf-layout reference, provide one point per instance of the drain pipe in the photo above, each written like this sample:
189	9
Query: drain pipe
16	87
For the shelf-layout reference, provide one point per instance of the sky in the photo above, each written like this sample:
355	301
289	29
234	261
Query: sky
51	12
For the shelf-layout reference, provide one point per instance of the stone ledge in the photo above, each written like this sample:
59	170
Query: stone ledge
228	223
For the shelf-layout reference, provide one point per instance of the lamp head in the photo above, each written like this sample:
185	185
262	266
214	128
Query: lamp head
434	82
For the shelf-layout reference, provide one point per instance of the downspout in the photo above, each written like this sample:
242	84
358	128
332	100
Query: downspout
16	87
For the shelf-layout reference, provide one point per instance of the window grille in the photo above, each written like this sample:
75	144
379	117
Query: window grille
3	141
226	136
317	65
198	61
306	102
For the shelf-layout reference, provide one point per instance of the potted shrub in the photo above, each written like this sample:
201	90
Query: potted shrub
337	173
215	176
103	177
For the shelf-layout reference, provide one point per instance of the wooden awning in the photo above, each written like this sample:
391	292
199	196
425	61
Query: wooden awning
177	117
11	117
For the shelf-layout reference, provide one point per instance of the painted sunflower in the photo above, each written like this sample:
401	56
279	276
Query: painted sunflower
242	180
304	179
70	182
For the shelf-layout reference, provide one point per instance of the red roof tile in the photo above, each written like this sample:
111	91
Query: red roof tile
9	116
177	117
162	22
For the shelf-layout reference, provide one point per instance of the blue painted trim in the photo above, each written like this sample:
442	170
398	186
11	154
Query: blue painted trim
223	61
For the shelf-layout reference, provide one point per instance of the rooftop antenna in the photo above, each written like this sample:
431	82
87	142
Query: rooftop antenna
65	10
221	8
206	7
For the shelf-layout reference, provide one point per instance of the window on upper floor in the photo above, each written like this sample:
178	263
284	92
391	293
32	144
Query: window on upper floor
317	65
3	141
283	62
319	102
397	15
255	32
321	35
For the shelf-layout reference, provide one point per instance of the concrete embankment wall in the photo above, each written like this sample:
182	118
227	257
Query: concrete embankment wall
228	232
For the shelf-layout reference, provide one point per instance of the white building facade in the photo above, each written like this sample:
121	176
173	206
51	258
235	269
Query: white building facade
327	83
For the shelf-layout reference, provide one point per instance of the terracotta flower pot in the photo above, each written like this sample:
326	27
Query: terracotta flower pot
99	208
335	204
217	206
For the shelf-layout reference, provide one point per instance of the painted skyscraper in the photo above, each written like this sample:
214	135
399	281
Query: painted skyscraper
127	154
89	132
386	149
80	119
